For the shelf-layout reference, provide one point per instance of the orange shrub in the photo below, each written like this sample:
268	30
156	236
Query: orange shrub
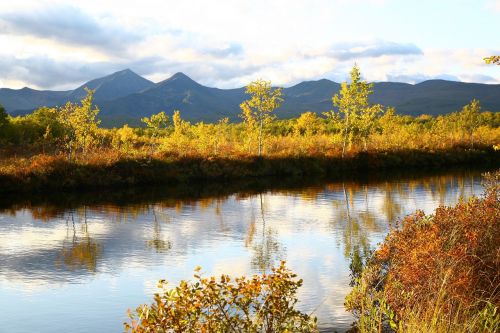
264	303
442	265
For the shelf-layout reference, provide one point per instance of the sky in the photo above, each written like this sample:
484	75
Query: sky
229	43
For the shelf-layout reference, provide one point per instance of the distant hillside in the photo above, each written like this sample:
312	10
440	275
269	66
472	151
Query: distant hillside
113	86
20	101
196	102
435	96
125	97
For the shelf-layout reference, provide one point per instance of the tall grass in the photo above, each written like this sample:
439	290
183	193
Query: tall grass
436	273
101	168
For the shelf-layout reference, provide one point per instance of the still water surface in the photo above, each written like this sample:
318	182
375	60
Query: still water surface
77	263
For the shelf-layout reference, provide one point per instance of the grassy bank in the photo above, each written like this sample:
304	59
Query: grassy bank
64	147
436	273
106	168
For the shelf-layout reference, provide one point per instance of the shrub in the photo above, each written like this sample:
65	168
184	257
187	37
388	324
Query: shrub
436	273
264	303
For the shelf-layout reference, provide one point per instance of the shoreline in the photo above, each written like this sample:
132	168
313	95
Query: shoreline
59	174
189	191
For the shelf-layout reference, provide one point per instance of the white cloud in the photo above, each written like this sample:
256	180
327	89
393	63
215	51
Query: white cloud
53	44
494	4
70	25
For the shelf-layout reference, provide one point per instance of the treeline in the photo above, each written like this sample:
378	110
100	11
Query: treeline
353	125
64	147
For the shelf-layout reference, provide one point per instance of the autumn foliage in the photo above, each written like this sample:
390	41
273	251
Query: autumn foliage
262	303
438	267
64	147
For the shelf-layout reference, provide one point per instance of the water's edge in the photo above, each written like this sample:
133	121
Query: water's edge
63	175
84	257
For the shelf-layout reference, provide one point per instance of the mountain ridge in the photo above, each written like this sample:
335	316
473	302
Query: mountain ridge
125	97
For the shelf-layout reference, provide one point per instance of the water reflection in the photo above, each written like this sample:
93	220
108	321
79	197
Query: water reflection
94	255
79	252
267	250
157	242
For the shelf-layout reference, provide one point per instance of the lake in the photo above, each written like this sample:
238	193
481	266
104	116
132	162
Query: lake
74	262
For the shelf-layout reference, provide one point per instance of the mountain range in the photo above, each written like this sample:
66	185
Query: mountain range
125	97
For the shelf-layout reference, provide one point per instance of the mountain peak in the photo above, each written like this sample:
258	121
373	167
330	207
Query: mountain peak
112	86
123	72
180	76
180	79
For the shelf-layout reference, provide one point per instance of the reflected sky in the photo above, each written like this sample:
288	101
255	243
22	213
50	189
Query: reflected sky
77	268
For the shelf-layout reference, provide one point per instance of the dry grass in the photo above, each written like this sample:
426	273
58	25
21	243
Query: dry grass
438	273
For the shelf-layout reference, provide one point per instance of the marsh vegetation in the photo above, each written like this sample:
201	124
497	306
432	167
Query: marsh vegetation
65	147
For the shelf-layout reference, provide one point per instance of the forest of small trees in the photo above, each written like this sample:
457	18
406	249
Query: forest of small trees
353	125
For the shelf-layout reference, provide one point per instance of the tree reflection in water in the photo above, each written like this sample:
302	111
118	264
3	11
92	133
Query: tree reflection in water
355	213
80	252
267	251
157	242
